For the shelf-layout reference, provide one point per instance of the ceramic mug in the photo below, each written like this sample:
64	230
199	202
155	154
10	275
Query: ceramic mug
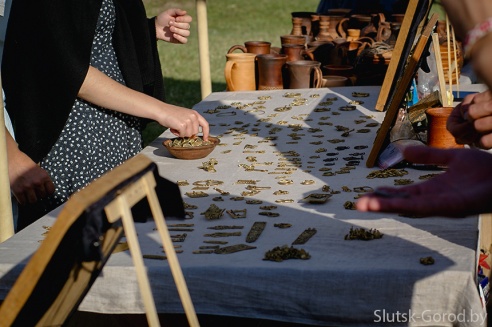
257	47
270	71
304	74
438	135
239	72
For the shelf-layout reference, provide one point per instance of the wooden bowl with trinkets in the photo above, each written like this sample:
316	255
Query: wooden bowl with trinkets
189	148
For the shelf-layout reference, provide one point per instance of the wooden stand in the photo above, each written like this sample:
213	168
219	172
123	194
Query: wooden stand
120	208
57	276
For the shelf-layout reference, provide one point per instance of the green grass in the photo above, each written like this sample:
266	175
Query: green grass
230	22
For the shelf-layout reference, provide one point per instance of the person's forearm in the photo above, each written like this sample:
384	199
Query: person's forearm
12	147
482	65
101	90
466	14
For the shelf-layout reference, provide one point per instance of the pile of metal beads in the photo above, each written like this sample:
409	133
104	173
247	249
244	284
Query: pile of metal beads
363	234
281	253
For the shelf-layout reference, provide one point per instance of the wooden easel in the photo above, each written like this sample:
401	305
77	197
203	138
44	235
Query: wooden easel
56	279
121	208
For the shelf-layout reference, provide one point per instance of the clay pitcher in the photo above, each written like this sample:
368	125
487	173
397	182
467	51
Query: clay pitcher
349	51
335	30
239	72
296	52
293	39
270	71
257	47
438	135
304	74
324	52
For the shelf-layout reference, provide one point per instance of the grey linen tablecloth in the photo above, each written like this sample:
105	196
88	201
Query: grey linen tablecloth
350	283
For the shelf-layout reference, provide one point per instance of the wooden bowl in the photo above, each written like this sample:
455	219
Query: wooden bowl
190	153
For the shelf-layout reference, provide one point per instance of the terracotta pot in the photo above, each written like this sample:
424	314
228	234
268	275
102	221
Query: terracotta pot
437	134
257	47
304	74
270	71
239	72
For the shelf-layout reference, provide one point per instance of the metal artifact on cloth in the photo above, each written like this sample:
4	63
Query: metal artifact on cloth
282	225
234	248
255	231
223	234
317	198
305	236
213	212
221	227
427	261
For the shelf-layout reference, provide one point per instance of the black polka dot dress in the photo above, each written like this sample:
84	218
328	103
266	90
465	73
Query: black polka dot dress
94	140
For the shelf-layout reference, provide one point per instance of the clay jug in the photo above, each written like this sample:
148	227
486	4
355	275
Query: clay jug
323	51
324	32
359	21
438	135
293	39
270	71
257	47
353	34
239	72
314	25
304	74
334	28
296	52
304	17
371	29
296	26
349	51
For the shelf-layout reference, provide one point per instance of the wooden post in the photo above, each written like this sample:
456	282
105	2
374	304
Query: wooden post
205	80
6	219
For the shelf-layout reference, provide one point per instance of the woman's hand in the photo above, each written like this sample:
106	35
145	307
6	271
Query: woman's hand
28	182
173	25
183	122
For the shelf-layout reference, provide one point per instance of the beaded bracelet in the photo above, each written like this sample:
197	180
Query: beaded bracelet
475	34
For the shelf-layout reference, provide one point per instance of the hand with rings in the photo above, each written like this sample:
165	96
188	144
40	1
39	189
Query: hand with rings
173	25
